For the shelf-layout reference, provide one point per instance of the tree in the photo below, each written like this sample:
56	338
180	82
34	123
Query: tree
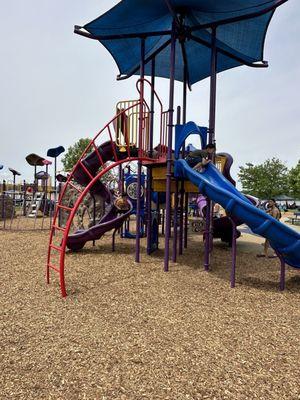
294	181
266	180
73	153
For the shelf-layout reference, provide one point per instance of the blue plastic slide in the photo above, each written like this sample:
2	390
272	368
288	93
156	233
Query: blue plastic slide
214	185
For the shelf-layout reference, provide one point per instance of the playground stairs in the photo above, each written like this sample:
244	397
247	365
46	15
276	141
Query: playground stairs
35	205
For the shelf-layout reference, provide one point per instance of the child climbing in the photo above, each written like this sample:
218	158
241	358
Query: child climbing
198	159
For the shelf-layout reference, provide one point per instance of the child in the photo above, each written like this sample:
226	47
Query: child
272	210
198	159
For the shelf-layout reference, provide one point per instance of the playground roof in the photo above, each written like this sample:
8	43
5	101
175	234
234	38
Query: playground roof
240	34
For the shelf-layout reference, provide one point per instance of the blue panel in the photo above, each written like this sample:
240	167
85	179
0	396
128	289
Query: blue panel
182	132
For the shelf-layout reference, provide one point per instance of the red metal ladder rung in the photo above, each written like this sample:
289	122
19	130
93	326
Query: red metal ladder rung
74	187
86	170
55	247
64	207
112	144
98	153
58	228
53	267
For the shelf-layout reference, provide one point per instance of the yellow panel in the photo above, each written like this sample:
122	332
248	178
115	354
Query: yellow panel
159	185
159	173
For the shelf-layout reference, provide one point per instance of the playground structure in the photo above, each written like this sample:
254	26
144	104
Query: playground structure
28	205
189	33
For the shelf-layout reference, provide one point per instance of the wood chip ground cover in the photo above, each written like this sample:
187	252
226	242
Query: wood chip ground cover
130	331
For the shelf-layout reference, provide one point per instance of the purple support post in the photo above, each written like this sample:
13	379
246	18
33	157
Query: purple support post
120	177
212	124
113	244
181	219
182	195
94	215
186	218
140	141
282	271
207	235
169	155
149	170
233	254
175	222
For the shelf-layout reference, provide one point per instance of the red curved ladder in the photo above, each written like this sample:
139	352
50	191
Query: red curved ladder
58	250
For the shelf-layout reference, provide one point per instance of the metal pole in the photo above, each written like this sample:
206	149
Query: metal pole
186	218
140	141
14	188
181	223
169	155
175	224
233	254
149	170
212	123
282	271
121	183
94	215
55	195
35	186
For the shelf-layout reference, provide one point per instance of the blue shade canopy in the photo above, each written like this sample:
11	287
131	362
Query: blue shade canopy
240	34
1	166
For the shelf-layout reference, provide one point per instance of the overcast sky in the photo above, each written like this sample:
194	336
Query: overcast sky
57	87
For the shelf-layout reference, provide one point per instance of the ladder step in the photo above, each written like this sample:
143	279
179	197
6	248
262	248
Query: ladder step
75	187
98	153
86	170
64	207
58	228
55	247
53	267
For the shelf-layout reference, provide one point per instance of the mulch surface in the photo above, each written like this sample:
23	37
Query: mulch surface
131	331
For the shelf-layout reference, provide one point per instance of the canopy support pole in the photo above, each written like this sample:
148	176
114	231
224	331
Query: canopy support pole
211	140
149	170
140	152
169	155
14	187
181	219
175	219
233	253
